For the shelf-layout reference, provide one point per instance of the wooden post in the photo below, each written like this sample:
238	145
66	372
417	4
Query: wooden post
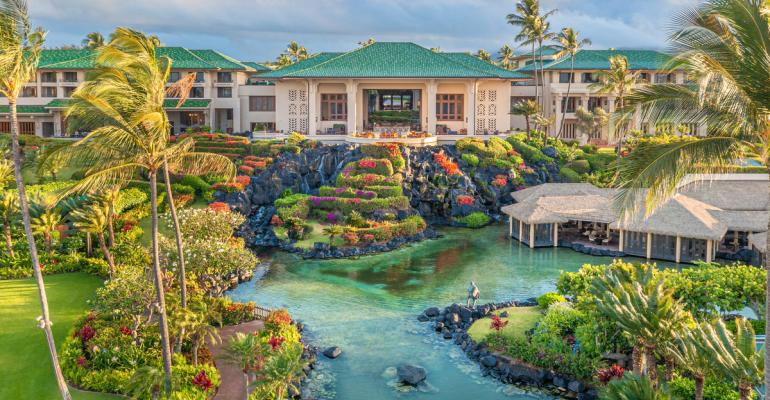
620	240
521	230
709	250
510	226
531	236
678	249
555	235
649	245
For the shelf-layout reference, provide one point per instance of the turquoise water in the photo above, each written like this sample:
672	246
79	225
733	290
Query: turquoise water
369	308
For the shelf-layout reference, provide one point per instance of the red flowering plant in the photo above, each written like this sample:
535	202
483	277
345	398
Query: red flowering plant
275	342
243	180
276	220
464	200
370	178
202	381
605	375
367	237
500	181
278	317
367	164
246	169
497	323
350	238
126	330
219	206
236	313
449	167
85	333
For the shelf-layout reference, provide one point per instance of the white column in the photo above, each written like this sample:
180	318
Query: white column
521	230
649	245
470	108
208	117
431	104
620	240
312	113
555	128
678	249
709	250
351	87
531	236
611	129
555	235
510	226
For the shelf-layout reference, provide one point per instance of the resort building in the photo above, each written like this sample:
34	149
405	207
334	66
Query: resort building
650	66
718	216
387	90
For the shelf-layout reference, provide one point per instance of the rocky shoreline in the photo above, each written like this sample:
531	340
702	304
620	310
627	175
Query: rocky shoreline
452	323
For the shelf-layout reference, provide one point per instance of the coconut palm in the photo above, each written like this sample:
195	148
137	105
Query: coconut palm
333	231
283	60
734	356
640	305
568	43
296	52
94	220
484	55
9	206
527	109
125	96
688	356
20	47
525	18
590	122
505	59
49	163
282	371
619	81
730	94
93	40
110	196
633	387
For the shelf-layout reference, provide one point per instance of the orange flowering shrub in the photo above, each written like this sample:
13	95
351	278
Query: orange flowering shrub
219	206
449	167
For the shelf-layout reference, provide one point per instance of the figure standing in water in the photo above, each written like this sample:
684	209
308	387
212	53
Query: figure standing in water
473	294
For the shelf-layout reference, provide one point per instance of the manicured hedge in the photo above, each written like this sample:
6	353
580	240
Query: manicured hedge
390	151
579	166
386	191
347	205
221	150
290	200
346	192
362	181
408	227
197	183
378	166
531	154
475	220
471	159
569	175
300	210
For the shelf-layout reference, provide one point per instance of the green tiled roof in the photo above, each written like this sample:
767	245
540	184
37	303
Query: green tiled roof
183	59
389	60
219	60
599	59
24	109
58	103
474	62
256	66
66	59
527	51
189	103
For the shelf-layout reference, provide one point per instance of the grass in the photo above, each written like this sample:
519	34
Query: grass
520	320
24	358
317	235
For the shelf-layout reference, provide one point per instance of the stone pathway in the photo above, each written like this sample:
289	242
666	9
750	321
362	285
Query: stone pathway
233	385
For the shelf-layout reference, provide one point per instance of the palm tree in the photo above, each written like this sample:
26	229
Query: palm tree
93	40
731	95
9	206
484	55
296	52
110	196
333	231
688	356
283	60
568	43
124	97
93	219
643	308
527	109
633	386
199	330
590	122
505	59
367	42
6	173
46	217
525	18
245	351
282	371
145	381
20	47
620	81
735	356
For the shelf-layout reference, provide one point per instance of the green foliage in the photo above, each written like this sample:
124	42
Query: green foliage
600	161
130	198
560	320
471	159
550	298
179	188
21	266
713	389
569	175
295	138
290	200
579	166
381	166
197	183
531	154
366	180
345	205
475	220
385	191
408	227
633	387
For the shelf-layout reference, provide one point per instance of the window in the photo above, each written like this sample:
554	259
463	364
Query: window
590	77
70	76
224	92
49	91
398	101
449	107
334	107
196	93
565	77
594	103
224	77
263	126
29	91
199	77
665	78
643	77
68	91
174	76
27	128
261	103
570	103
48	77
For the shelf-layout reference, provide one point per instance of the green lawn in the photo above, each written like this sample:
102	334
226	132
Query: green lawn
24	359
520	320
317	235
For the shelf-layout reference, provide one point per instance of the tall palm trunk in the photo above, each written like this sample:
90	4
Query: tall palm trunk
161	298
636	359
89	244
767	305
24	207
699	381
107	254
47	241
651	364
569	87
526	121
178	234
620	131
8	239
534	66
110	228
744	391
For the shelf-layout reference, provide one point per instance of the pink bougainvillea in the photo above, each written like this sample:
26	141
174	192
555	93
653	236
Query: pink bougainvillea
367	164
465	200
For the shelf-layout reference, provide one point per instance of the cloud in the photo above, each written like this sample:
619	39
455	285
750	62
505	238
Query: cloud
260	29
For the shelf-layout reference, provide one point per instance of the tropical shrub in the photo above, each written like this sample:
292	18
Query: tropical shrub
579	166
196	182
346	205
390	151
449	167
130	198
346	192
569	175
545	301
475	220
365	180
471	159
713	389
179	188
465	200
377	166
290	200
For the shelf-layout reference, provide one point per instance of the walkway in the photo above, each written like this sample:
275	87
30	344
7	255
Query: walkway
232	386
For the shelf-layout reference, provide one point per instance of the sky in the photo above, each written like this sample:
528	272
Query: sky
259	30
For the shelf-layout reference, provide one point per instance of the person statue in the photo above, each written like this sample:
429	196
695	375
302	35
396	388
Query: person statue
473	294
